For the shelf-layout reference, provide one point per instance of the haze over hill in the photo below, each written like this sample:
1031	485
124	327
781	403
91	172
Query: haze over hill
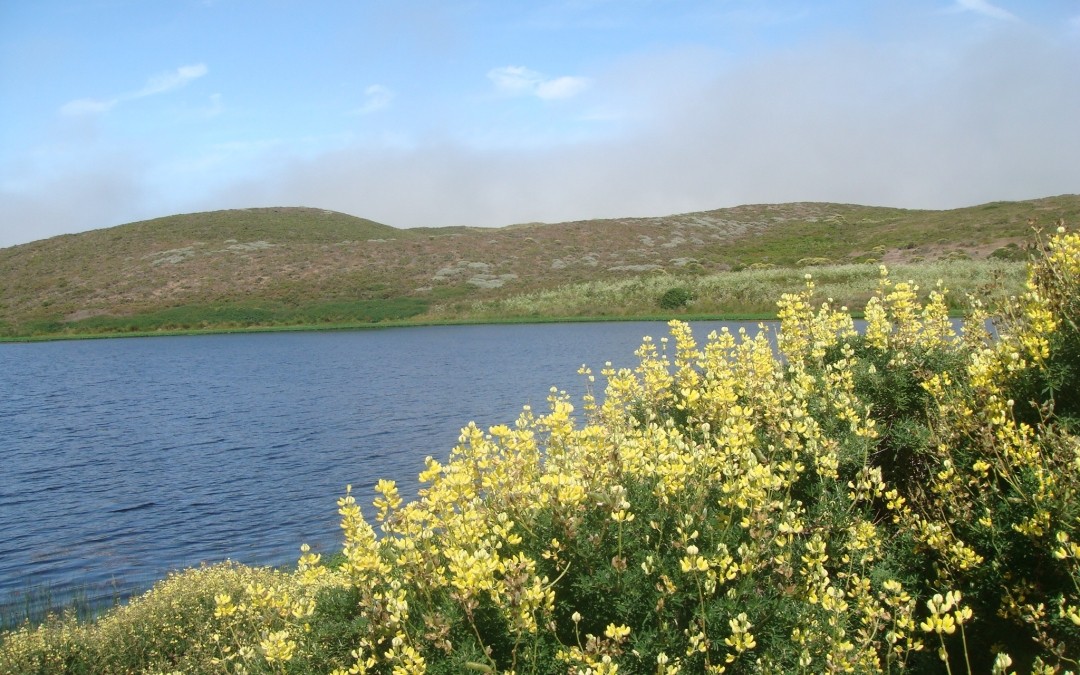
487	112
246	267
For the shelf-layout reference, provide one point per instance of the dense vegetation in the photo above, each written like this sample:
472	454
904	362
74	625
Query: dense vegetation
300	267
748	293
900	500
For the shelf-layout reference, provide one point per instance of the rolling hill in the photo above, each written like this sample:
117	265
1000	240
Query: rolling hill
303	266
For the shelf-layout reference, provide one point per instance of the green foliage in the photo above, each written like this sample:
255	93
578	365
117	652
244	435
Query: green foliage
1053	389
899	404
194	317
1010	252
813	262
676	298
749	292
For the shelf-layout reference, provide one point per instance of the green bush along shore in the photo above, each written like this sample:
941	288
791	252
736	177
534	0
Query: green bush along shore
903	499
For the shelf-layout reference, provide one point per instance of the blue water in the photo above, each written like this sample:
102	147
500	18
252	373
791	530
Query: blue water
123	459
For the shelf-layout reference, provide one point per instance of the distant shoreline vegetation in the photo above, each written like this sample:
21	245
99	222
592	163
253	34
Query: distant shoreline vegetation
743	295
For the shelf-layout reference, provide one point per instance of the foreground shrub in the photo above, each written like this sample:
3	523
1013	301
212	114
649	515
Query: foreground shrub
899	500
166	629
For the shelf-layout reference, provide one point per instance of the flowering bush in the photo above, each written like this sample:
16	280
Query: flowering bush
897	499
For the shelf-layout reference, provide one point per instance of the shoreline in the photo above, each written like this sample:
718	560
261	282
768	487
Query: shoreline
392	324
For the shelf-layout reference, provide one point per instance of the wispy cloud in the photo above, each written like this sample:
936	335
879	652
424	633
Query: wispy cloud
376	97
561	87
522	81
514	79
985	8
163	82
215	108
88	106
157	84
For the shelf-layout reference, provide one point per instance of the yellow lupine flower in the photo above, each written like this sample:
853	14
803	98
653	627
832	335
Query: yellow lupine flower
617	632
740	639
277	646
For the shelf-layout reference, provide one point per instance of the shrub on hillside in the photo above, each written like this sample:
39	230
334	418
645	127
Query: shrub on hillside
676	298
1009	252
899	500
813	262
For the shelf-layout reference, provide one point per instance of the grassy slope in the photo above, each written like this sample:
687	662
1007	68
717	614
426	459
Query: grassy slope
298	266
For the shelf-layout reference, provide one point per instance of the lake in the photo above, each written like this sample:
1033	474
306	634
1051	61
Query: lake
123	459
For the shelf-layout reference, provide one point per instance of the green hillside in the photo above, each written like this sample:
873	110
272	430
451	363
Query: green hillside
302	266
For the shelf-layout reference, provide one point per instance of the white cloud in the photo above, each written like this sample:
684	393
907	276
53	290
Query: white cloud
157	84
163	82
561	87
985	8
843	122
215	108
522	81
105	192
376	97
87	106
515	79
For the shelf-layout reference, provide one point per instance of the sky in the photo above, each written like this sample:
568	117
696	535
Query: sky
492	112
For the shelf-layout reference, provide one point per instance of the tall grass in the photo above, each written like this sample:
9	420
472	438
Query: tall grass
34	604
755	292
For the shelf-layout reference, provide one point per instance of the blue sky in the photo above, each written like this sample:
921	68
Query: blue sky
492	112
